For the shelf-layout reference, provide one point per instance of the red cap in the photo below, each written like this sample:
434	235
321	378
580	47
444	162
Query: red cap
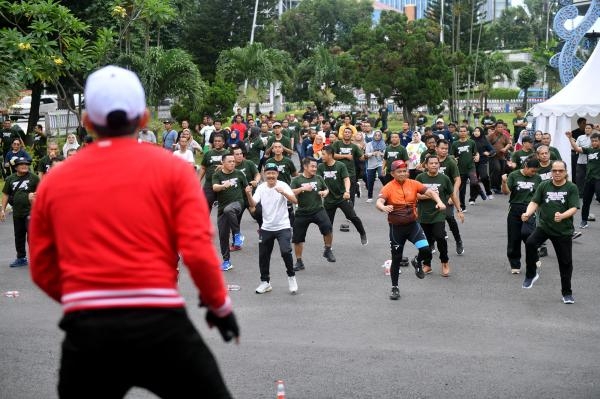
399	164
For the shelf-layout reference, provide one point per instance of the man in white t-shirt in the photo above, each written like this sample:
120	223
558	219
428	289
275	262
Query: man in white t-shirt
273	195
183	152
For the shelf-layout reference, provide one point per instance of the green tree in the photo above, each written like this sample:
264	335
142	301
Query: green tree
167	73
326	72
148	15
218	25
45	43
219	99
317	22
513	30
256	65
527	78
492	67
401	59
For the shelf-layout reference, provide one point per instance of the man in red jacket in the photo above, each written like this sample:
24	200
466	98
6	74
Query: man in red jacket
104	243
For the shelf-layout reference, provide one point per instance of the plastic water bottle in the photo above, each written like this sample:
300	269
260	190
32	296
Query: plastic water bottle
233	287
280	390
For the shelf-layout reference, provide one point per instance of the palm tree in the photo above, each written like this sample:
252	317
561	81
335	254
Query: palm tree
323	70
167	73
256	65
493	67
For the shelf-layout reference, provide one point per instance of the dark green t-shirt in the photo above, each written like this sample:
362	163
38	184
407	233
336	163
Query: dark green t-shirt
210	161
393	153
552	199
521	187
256	146
593	163
554	154
449	167
426	210
424	155
518	129
283	140
545	172
309	202
464	151
286	168
248	168
339	147
233	193
20	187
334	179
518	157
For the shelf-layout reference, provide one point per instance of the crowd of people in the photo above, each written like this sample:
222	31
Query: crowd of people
124	283
341	158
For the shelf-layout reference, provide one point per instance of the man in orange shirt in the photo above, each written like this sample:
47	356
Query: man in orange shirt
398	199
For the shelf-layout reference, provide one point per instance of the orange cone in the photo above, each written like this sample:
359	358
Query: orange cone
280	390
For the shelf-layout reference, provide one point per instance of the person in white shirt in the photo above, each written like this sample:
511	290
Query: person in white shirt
192	144
273	195
183	151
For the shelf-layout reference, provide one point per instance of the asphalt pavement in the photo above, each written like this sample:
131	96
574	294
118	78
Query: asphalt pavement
475	334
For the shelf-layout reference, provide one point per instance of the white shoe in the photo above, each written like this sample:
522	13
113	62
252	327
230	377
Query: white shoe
369	200
265	286
471	203
293	284
490	197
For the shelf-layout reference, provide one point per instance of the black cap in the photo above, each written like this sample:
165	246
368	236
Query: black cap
22	161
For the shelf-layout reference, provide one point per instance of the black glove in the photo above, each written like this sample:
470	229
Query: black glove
227	325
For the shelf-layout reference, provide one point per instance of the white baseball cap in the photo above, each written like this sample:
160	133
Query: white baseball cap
111	89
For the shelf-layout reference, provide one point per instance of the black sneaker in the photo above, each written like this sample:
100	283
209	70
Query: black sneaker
567	299
459	248
576	234
299	265
418	268
363	239
395	294
328	254
528	283
584	224
542	251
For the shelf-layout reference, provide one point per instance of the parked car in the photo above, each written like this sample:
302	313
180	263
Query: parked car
48	103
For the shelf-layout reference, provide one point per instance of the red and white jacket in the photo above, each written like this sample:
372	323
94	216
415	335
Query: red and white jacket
108	224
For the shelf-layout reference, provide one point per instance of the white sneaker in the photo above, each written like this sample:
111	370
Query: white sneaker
264	286
369	199
293	284
471	203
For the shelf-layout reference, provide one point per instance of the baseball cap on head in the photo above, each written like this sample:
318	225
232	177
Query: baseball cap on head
112	89
276	124
399	164
271	166
439	120
22	161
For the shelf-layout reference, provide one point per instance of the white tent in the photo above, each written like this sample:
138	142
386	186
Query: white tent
580	98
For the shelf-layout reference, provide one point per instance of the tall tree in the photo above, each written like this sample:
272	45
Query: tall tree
46	42
326	73
402	59
219	25
526	78
513	30
492	67
254	65
167	73
317	22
